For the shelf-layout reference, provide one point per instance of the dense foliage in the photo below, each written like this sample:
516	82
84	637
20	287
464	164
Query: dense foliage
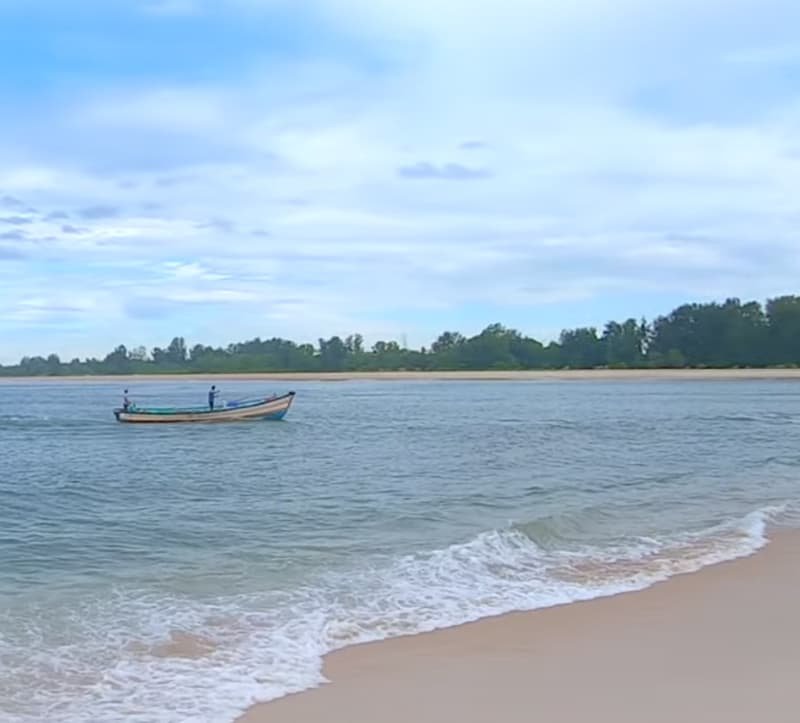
730	334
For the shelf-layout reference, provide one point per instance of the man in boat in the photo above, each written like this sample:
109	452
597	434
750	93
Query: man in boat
126	403
212	394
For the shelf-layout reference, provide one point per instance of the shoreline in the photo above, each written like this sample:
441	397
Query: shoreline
518	375
719	644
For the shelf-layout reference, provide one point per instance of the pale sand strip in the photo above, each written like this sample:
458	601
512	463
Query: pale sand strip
531	375
718	646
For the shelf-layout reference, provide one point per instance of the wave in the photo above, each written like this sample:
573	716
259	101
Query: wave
151	657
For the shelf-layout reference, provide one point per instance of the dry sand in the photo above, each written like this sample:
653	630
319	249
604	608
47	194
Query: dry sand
532	375
718	646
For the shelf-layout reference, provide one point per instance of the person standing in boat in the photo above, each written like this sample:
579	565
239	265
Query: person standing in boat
126	403
212	395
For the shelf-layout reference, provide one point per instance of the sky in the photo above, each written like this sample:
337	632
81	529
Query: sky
225	169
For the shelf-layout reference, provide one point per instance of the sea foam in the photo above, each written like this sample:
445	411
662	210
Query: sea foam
109	660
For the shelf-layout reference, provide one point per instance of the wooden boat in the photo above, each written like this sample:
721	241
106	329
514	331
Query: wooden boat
274	407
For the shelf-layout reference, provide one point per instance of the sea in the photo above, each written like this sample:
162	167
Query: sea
173	573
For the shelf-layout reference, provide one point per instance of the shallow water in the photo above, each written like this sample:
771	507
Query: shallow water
178	573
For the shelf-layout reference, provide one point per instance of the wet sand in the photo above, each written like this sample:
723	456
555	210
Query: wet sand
718	646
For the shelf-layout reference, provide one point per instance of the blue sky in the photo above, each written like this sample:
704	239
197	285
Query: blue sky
232	168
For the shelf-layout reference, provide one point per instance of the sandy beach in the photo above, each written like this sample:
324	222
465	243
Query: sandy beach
530	375
719	645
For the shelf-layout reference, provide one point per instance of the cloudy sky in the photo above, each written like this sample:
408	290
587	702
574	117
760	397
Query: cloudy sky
223	169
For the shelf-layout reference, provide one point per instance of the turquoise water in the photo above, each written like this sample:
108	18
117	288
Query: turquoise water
178	573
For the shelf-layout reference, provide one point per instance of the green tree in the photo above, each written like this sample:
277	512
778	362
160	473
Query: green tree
332	354
118	361
491	349
712	334
716	334
138	354
447	341
783	317
581	348
354	344
53	364
176	351
624	344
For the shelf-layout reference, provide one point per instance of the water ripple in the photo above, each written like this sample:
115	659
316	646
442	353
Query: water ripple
373	509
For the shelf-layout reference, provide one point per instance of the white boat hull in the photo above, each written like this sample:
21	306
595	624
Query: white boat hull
271	408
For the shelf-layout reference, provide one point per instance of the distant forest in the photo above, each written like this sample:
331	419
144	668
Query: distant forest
708	335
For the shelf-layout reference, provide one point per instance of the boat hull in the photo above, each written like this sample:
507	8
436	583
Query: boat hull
272	408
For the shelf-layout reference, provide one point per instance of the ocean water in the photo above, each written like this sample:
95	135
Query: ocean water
181	573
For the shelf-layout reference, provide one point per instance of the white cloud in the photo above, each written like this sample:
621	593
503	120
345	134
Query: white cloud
171	7
181	270
770	55
329	195
164	109
210	296
30	178
51	307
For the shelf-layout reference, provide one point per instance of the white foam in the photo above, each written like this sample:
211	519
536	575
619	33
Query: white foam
271	644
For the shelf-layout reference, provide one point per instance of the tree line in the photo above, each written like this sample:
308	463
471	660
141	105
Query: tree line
699	335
